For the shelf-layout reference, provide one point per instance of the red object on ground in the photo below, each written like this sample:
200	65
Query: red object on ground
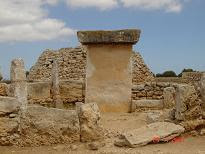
178	139
156	139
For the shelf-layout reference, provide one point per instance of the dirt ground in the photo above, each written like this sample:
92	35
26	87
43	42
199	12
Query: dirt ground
116	123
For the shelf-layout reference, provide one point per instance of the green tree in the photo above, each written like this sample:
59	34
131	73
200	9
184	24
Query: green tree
167	74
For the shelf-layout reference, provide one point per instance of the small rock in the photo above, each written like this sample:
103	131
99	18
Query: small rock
12	115
73	147
202	132
95	145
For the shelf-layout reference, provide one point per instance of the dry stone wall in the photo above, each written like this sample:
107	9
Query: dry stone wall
71	64
140	71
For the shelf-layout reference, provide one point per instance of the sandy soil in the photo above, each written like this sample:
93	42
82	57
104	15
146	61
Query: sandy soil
116	123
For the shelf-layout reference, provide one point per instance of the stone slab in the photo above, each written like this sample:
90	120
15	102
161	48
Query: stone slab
118	36
144	135
8	105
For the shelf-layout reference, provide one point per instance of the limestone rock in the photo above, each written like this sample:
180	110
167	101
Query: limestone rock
44	126
144	135
118	36
8	105
17	70
169	99
145	103
160	116
185	98
4	89
89	116
95	145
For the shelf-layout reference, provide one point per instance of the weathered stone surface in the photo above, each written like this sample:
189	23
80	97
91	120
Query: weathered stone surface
90	127
8	105
169	99
185	98
44	126
118	36
8	131
17	70
3	89
39	90
140	71
190	125
55	87
144	135
145	103
109	76
160	116
19	86
71	64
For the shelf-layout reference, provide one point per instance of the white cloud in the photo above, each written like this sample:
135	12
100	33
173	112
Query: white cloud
27	20
167	5
101	4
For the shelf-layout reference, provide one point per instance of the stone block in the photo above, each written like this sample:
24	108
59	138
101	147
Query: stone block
90	127
152	104
118	36
8	105
169	97
46	126
39	90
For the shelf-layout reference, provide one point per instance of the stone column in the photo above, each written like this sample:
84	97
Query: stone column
202	90
18	83
108	70
55	88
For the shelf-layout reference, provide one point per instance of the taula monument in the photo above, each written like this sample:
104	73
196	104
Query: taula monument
108	69
62	98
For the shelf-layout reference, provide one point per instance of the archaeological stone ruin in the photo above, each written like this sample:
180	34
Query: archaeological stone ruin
65	94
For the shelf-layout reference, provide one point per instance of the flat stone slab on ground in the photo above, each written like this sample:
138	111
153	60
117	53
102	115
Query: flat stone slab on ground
8	105
162	131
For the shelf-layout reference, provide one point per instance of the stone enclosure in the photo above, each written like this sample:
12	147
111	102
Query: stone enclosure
61	99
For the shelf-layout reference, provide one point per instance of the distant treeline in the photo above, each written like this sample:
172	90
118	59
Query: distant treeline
171	73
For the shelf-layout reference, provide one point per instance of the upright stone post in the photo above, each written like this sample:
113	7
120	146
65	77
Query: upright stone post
202	90
19	84
55	88
108	70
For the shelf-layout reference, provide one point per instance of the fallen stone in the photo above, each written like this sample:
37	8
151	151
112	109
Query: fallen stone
8	105
152	104
8	125
89	117
202	132
146	134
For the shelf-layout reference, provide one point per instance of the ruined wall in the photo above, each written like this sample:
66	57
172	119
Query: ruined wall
71	63
70	93
150	90
140	71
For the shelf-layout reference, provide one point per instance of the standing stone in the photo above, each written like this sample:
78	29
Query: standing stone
89	117
185	98
108	70
202	89
169	99
18	83
55	89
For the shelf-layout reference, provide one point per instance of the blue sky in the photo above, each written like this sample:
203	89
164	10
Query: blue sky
172	30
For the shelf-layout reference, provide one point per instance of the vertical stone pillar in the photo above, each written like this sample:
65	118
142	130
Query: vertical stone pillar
202	90
19	84
108	70
55	88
